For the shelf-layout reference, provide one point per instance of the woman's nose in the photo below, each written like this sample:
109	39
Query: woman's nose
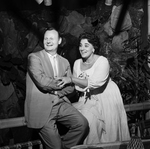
81	48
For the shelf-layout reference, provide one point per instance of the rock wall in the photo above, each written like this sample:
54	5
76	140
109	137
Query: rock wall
21	34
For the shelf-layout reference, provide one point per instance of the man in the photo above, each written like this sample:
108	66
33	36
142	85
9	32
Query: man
46	103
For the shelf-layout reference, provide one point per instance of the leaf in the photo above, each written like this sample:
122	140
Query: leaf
5	65
13	74
5	79
17	61
7	58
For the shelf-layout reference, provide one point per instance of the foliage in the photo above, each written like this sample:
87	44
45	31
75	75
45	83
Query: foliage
10	71
130	76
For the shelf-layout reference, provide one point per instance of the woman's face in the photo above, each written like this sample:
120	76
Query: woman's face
86	49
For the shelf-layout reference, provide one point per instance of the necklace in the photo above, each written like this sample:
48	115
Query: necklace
88	63
92	58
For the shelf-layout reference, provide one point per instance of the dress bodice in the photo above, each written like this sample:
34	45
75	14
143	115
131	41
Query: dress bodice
101	103
96	75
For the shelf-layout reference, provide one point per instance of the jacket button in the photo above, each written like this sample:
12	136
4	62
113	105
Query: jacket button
52	101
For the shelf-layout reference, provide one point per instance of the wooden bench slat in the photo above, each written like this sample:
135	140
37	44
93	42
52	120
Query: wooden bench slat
20	121
137	106
12	122
24	145
113	145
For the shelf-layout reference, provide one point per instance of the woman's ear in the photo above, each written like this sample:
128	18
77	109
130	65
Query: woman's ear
60	40
93	50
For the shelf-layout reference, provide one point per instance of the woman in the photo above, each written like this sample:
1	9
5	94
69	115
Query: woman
100	101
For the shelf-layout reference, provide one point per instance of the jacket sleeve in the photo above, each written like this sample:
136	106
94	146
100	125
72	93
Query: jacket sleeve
68	89
43	82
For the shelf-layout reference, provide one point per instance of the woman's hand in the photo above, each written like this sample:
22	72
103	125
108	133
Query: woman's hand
62	81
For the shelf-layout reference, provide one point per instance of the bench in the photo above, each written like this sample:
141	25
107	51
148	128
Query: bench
20	121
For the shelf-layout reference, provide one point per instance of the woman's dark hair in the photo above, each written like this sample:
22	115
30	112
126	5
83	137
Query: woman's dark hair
92	39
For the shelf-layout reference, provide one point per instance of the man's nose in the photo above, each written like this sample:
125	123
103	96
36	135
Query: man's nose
48	40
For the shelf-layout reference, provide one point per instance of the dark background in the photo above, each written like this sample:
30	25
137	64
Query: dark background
32	4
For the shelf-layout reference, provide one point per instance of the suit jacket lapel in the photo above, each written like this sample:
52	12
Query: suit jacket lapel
60	66
47	64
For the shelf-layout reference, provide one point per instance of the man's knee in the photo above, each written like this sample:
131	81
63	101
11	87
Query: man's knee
84	124
84	129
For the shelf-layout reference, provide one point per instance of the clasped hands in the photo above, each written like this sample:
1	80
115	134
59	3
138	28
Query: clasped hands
62	81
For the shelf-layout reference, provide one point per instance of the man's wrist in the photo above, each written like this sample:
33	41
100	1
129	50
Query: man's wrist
54	92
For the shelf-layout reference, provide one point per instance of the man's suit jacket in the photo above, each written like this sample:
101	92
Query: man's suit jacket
40	85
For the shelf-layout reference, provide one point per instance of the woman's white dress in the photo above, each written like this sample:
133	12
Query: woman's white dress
101	103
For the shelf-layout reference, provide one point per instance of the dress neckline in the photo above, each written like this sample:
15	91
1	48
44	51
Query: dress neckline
90	67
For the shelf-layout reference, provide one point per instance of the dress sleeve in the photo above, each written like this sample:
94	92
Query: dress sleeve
75	68
75	73
100	74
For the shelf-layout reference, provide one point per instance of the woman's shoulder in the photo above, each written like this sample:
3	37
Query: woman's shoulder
102	58
77	61
101	62
76	66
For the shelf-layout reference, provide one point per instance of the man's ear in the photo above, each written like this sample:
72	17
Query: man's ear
60	40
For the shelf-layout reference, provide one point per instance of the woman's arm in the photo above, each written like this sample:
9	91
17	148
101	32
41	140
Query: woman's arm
98	79
80	82
77	81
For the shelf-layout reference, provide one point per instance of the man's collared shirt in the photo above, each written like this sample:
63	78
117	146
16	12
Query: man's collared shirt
53	59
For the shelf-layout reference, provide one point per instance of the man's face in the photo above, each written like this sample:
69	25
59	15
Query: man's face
51	41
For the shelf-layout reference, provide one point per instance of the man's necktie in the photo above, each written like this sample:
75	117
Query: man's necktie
54	67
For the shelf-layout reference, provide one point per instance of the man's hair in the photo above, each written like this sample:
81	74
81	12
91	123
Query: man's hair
92	39
50	29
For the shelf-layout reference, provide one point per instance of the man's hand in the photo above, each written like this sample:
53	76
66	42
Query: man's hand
62	81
